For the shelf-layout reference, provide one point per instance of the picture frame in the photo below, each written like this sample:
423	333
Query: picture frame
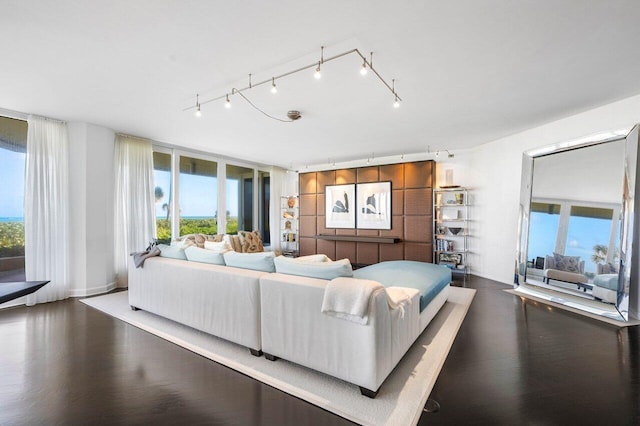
373	203
450	258
340	206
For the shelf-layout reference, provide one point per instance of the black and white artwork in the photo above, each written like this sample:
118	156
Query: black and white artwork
374	205
340	206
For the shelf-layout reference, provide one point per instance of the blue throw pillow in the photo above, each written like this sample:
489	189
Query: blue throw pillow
172	251
322	270
262	261
197	254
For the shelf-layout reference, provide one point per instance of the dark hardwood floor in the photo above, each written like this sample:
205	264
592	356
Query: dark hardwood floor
513	362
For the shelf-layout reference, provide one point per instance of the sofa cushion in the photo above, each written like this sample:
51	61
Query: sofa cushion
256	261
322	270
174	251
251	241
197	254
567	263
313	258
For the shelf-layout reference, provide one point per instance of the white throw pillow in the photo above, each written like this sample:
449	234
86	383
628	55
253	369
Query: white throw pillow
313	258
220	247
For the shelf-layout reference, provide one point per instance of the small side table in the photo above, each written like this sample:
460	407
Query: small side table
13	290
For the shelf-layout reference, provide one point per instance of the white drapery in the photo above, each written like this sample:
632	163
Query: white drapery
46	210
135	224
276	178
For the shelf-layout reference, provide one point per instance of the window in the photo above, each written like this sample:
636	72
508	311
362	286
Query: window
198	196
239	199
162	183
543	229
264	198
13	146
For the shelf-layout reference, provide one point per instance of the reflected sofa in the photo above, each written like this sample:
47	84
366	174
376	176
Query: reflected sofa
554	270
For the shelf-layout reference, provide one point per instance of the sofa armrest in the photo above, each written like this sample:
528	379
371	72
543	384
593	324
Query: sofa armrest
295	329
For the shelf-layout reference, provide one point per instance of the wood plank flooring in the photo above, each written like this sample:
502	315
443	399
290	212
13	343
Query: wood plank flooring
513	362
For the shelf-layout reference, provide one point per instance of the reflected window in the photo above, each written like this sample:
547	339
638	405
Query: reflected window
589	235
239	200
198	196
543	231
162	193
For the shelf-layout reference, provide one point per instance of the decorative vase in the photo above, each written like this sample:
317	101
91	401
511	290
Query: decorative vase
460	198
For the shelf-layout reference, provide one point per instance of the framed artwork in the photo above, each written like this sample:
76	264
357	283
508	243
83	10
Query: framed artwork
340	206
374	205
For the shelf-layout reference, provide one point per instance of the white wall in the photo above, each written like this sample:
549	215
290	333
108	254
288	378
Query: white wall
492	172
91	210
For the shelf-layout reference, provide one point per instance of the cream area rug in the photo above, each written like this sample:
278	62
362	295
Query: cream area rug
400	399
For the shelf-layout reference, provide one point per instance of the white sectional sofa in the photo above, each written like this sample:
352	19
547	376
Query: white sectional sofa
280	314
219	300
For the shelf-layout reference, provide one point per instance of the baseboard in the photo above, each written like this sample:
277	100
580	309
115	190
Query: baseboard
85	292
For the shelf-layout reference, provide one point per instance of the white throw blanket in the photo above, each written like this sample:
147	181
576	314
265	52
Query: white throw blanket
349	298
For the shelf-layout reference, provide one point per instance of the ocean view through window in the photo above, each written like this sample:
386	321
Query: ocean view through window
13	145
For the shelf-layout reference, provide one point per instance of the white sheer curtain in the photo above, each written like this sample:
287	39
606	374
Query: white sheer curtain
135	223
276	178
46	210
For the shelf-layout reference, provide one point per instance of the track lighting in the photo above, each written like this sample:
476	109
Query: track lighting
198	113
396	104
366	67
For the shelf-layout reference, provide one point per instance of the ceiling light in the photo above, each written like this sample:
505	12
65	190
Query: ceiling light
198	113
396	104
366	66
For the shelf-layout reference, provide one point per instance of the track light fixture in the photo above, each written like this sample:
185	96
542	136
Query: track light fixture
396	104
366	67
198	113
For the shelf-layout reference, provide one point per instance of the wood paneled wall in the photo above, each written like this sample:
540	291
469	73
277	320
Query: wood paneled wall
412	214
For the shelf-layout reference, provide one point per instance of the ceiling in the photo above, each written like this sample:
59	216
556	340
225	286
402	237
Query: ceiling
468	72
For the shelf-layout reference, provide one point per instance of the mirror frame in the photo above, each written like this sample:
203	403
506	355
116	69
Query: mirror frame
628	300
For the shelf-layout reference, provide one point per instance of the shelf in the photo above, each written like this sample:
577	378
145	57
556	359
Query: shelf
360	239
451	252
450	205
451	220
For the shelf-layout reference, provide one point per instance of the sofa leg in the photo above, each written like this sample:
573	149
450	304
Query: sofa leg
133	308
368	393
270	357
255	352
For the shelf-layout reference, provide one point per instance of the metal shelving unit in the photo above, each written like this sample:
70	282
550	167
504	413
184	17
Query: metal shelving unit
289	226
451	229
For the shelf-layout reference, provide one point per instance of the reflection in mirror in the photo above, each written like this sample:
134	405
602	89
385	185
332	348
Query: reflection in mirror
570	244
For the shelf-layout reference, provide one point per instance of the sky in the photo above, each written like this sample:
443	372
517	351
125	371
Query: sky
12	166
197	194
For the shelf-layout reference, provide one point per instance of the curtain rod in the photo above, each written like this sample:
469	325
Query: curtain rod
124	135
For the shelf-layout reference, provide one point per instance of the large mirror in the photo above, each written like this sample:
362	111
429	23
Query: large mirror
576	225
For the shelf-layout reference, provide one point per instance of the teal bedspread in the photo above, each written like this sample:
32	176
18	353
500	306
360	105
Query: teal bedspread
427	278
